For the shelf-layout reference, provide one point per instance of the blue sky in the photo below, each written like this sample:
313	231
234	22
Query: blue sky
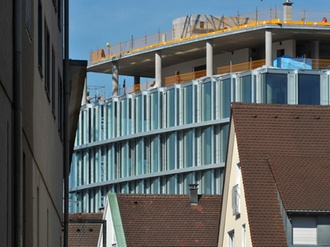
93	23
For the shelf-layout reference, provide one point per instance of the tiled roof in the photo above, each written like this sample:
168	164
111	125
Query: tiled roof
285	149
84	234
303	182
170	220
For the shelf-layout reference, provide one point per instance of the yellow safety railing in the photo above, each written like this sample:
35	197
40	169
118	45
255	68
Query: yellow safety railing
186	77
240	67
257	18
181	78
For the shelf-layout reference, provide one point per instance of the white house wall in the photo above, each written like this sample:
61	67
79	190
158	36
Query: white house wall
230	222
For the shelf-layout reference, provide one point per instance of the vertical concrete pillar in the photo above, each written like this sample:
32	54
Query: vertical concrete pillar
209	58
136	83
158	69
136	79
316	54
268	47
114	78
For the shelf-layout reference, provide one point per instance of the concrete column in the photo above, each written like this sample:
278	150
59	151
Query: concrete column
136	83
316	54
209	58
136	79
158	69
268	47
114	78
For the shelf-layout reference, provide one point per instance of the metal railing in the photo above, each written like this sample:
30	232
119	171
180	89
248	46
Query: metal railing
232	68
231	23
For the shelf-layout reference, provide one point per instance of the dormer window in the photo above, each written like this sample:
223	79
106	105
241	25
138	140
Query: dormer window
311	230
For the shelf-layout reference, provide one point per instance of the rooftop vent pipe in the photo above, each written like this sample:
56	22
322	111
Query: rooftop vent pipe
287	10
193	194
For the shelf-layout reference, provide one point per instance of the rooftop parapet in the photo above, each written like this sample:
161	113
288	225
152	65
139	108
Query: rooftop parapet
207	25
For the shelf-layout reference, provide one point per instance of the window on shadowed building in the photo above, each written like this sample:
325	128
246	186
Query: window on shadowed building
308	89
276	88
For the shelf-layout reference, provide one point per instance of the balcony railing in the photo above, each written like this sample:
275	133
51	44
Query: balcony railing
256	18
232	68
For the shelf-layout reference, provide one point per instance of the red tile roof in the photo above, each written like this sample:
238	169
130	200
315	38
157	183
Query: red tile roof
282	148
84	234
170	220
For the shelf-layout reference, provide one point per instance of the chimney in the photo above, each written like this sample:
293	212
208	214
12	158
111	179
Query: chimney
193	194
287	10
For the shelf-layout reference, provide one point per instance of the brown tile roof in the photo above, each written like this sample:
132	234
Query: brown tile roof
170	220
284	148
303	182
84	234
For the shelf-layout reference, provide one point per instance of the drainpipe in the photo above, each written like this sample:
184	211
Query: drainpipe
18	143
66	145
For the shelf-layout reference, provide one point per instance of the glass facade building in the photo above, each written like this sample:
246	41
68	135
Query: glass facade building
161	140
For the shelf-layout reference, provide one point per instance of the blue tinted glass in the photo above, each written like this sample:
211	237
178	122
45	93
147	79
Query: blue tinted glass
123	117
207	145
207	181
170	147
309	89
276	89
188	148
138	113
155	144
225	98
170	108
246	89
206	107
154	113
188	104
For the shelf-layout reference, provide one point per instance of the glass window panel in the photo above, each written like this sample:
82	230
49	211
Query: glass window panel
123	118
130	159
187	105
170	151
276	88
110	123
154	110
246	89
309	89
115	119
138	152
207	179
124	156
129	117
138	114
170	109
223	142
171	184
145	111
189	178
139	188
111	173
207	146
154	153
206	101
155	188
188	140
225	98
